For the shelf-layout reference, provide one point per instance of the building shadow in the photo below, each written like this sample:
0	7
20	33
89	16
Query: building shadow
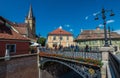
3	68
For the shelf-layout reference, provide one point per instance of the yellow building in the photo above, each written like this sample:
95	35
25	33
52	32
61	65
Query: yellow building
59	37
95	38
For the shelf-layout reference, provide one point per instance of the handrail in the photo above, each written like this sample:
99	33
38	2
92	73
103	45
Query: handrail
93	55
72	60
21	55
69	50
114	63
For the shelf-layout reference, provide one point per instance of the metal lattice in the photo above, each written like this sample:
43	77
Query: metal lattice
80	69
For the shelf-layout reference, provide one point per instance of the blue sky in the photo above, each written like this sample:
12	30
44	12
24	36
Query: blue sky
72	15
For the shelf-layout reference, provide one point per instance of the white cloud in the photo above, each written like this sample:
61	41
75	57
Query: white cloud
110	21
118	31
67	25
86	17
100	25
71	30
94	14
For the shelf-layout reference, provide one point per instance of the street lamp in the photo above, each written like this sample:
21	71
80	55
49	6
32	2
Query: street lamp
104	23
109	35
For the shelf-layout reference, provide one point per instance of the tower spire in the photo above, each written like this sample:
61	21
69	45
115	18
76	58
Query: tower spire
30	14
30	20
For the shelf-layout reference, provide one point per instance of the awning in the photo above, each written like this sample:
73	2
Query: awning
35	44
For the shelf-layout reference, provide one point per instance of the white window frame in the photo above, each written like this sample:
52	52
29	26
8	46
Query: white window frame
14	48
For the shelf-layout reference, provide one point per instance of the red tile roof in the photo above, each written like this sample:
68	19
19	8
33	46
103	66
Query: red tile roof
21	28
59	31
6	32
96	34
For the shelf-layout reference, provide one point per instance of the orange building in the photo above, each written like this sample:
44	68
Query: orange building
59	37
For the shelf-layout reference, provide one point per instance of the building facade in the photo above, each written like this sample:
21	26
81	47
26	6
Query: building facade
95	38
11	42
59	37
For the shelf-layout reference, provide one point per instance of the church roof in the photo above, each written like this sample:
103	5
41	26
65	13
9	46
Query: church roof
60	31
7	31
96	34
30	13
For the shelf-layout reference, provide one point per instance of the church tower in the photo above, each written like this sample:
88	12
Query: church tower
30	20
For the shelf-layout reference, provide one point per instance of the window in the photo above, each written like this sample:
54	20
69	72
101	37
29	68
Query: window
54	38
67	37
11	48
61	37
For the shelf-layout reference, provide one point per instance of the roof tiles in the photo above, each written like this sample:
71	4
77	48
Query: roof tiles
21	28
7	32
96	34
59	31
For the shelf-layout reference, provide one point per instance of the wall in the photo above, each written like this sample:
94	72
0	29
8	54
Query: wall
93	43
21	47
64	42
19	67
31	29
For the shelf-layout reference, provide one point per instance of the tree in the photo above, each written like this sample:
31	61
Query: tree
41	41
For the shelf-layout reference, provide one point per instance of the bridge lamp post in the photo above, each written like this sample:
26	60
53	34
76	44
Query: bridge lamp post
109	35
103	12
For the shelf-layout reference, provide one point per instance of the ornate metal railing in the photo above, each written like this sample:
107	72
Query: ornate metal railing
114	64
93	55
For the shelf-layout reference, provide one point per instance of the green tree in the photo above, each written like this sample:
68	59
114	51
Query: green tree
41	41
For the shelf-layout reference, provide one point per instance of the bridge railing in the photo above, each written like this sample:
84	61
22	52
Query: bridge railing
74	54
114	64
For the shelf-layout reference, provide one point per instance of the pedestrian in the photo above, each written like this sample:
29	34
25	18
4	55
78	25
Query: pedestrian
87	48
55	47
